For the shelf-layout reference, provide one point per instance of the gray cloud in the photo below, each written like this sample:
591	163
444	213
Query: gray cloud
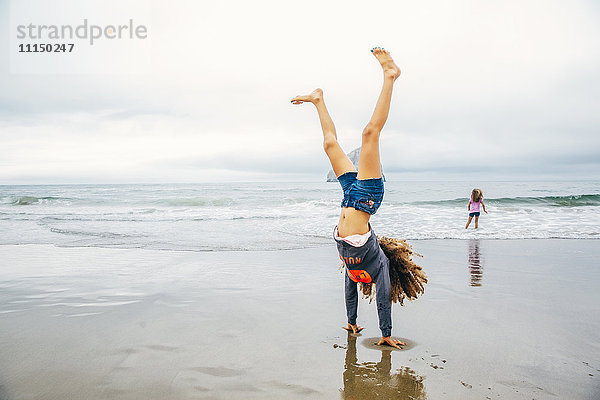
483	89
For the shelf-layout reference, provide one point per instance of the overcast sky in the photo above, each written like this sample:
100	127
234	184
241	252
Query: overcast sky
489	89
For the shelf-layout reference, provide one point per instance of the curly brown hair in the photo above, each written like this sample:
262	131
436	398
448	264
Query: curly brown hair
407	279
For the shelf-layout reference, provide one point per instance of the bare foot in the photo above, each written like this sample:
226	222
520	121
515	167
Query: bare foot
387	63
314	97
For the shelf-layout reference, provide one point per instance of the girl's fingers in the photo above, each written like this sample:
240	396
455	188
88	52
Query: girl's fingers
392	342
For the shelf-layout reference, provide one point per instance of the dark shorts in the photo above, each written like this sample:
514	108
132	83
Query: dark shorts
476	214
362	194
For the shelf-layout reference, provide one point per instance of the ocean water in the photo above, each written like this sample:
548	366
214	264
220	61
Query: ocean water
292	215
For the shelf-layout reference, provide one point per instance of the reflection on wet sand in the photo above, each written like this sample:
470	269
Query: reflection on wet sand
475	267
371	380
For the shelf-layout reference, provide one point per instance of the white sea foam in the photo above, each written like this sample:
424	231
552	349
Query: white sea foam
247	216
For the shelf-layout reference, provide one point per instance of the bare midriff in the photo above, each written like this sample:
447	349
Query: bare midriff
353	222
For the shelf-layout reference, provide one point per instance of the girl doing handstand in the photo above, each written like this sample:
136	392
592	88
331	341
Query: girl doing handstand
384	262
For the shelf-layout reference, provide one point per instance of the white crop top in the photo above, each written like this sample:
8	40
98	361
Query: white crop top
353	240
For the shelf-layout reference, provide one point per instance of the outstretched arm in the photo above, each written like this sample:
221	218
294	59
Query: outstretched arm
483	205
384	307
351	293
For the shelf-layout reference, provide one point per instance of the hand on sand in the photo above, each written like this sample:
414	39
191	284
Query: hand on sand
390	342
353	328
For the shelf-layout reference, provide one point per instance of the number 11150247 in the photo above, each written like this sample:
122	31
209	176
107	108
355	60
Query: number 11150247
46	48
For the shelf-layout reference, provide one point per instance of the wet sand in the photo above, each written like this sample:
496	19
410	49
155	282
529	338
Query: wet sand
499	319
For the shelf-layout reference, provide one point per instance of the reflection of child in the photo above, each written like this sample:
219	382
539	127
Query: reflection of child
371	380
473	206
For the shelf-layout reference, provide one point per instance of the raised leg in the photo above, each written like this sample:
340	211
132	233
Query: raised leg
338	159
369	164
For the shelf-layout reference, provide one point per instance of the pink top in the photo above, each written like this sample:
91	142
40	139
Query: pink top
475	206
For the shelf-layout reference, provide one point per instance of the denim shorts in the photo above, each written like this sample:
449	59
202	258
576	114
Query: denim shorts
474	214
362	194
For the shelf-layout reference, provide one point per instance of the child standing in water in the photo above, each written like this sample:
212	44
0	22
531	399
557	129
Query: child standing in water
475	202
386	262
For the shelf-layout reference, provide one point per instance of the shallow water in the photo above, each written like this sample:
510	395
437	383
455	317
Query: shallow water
276	216
99	323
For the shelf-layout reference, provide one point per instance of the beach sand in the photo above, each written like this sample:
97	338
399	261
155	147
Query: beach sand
499	319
